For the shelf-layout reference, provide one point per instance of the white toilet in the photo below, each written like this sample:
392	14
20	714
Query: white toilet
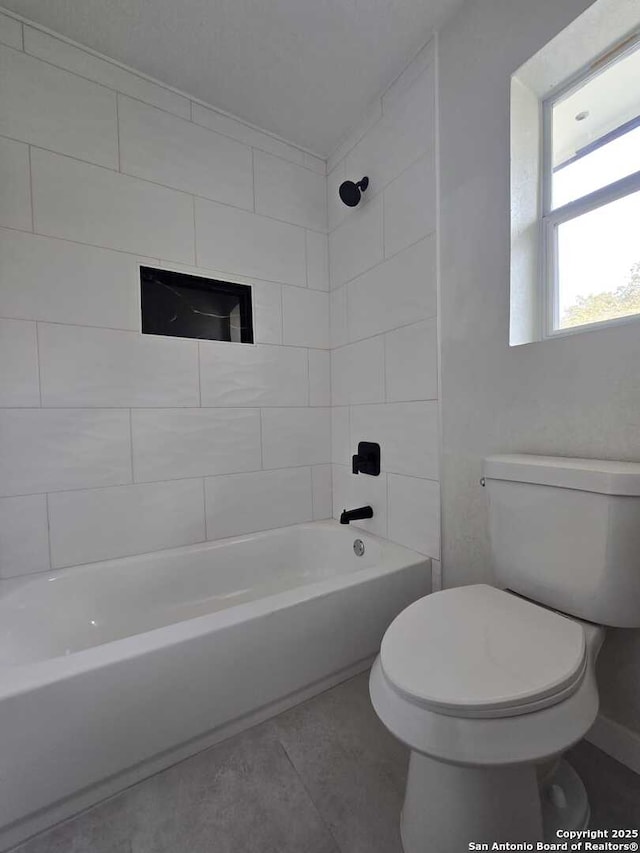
489	687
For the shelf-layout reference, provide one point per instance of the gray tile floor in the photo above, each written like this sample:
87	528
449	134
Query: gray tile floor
324	777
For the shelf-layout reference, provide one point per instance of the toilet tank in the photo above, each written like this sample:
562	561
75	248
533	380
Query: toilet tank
566	533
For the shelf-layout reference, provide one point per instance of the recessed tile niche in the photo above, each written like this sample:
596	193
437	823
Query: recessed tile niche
189	306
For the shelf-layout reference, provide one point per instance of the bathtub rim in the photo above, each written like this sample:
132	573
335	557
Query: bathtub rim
16	679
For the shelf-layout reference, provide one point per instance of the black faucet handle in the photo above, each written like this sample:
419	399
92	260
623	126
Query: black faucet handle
367	459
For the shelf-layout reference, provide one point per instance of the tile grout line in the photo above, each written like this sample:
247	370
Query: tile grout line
118	132
33	213
50	543
38	363
58	37
338	848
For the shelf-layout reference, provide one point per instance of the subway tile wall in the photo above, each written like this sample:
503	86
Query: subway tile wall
113	443
383	310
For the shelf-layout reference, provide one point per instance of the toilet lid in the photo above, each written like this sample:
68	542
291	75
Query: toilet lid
477	651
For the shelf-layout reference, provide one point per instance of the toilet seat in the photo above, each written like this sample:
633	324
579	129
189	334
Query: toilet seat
480	652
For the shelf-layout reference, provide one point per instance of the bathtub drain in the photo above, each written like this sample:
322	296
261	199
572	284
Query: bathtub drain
358	547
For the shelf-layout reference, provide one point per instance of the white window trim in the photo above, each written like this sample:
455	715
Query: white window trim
551	219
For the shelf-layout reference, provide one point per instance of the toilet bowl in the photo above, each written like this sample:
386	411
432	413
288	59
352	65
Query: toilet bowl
486	689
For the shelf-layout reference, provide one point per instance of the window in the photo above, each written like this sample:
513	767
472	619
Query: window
591	196
188	306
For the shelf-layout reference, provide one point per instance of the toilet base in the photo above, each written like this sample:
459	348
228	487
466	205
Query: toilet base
447	806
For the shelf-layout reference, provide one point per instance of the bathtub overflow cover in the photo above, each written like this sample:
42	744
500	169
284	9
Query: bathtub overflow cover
358	547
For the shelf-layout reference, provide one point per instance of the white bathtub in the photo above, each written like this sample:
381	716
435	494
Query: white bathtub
111	671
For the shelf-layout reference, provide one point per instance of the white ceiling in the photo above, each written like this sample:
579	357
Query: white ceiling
302	69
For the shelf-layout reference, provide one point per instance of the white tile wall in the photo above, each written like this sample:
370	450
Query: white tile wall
407	434
338	317
76	201
240	375
236	129
411	362
286	191
341	451
321	479
395	293
357	243
267	313
49	107
73	58
15	192
414	513
319	377
357	373
403	134
292	437
353	490
10	32
46	279
24	537
244	503
102	367
245	243
410	206
305	317
19	381
383	320
170	444
317	260
47	450
102	524
166	149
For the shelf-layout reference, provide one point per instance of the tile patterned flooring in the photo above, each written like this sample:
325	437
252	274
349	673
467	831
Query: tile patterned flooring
324	777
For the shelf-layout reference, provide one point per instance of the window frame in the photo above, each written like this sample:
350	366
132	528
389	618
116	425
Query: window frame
550	219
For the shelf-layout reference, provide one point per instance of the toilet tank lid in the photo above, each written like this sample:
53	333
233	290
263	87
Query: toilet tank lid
589	475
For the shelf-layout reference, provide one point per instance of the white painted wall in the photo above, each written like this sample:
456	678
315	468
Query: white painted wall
113	443
578	395
384	313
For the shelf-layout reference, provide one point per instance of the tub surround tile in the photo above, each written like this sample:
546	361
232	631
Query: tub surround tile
267	313
244	243
102	367
74	58
305	317
336	210
15	193
289	192
321	476
176	153
317	261
10	32
357	244
339	322
414	514
341	449
403	134
88	204
292	437
353	490
319	377
237	129
245	503
46	106
91	525
19	378
45	450
406	432
409	206
24	536
411	298
93	287
238	375
173	444
357	373
411	362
